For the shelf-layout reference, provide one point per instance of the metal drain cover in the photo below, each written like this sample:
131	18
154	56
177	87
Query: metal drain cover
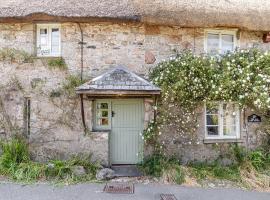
117	188
167	197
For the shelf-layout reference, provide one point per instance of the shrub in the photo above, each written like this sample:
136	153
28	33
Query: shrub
57	63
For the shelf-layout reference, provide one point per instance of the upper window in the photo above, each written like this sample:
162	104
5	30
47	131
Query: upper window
219	41
222	121
48	40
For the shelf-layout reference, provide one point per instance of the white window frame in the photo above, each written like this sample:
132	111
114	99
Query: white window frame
221	135
220	32
102	127
49	28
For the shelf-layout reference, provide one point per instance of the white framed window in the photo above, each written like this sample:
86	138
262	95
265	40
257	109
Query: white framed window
102	114
222	121
48	40
220	41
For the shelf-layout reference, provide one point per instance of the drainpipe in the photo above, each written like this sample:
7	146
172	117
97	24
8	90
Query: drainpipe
81	95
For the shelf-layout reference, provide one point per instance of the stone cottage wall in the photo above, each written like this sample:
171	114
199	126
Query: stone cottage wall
55	128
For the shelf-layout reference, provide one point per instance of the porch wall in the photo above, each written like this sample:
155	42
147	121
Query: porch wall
56	130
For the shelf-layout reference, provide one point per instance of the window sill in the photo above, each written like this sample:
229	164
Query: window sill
49	57
211	141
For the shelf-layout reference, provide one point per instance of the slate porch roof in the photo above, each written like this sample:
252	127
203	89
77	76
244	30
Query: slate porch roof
118	81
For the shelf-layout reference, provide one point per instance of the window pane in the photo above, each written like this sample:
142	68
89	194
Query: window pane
212	109
104	114
229	119
102	106
103	122
212	43
43	37
212	120
212	131
229	130
227	43
55	41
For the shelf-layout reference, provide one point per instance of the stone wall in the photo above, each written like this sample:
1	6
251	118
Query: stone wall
55	129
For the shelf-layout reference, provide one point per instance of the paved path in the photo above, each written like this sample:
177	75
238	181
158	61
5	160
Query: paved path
142	192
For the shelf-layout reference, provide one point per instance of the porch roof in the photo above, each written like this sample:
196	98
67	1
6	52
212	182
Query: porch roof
118	81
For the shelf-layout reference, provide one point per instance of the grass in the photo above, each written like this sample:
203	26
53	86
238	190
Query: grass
57	63
249	169
72	81
15	55
168	169
15	163
204	170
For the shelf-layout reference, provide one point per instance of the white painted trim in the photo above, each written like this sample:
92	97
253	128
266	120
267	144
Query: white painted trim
49	28
220	124
221	31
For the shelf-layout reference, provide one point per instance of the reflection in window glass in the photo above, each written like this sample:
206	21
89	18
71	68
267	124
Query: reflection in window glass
102	114
213	43
222	120
219	43
227	43
212	130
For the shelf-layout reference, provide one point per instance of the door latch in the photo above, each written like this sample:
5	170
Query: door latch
113	113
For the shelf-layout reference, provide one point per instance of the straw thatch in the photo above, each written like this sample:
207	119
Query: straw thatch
248	14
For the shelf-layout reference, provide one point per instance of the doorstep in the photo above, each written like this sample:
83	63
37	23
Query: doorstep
126	171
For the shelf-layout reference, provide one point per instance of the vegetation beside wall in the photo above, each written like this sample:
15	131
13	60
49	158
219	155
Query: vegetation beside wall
57	63
15	163
250	170
15	55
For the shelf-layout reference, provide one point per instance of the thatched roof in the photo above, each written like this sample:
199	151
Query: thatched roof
248	14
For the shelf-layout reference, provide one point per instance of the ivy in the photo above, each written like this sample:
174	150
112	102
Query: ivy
188	81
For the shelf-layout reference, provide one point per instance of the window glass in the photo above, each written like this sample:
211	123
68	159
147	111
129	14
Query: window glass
219	43
213	43
102	114
222	121
227	43
229	119
55	41
212	120
48	40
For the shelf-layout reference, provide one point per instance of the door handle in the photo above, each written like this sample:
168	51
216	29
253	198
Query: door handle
113	113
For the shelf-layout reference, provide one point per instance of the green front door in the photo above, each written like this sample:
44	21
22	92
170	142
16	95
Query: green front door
126	128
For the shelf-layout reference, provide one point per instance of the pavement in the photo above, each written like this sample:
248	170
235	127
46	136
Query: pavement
11	191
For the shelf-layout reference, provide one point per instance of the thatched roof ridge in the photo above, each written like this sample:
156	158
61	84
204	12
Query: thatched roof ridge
247	14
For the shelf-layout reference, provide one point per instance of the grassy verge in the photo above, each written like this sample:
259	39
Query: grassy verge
15	164
250	170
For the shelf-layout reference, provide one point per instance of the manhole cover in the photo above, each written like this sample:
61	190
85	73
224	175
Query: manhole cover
167	197
125	188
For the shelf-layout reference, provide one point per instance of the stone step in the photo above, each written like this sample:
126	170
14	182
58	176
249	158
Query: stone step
126	171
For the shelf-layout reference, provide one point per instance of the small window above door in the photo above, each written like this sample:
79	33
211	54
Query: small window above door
102	114
48	40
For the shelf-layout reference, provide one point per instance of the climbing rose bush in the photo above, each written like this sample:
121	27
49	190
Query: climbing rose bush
188	81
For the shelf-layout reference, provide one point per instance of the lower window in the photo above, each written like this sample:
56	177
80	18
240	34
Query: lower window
222	121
